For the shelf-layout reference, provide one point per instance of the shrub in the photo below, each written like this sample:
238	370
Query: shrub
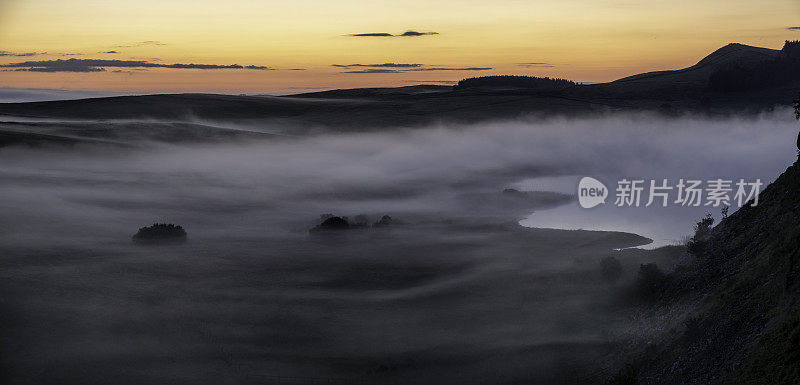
702	229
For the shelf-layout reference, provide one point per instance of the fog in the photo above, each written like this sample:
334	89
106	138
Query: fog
456	293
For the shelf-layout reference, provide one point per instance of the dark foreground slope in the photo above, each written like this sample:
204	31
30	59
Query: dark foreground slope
743	292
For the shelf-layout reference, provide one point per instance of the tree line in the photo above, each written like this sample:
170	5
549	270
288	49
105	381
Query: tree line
517	81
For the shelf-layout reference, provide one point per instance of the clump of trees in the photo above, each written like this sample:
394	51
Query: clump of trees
769	73
160	233
531	82
702	229
331	222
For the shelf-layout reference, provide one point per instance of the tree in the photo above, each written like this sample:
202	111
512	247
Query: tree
797	108
797	116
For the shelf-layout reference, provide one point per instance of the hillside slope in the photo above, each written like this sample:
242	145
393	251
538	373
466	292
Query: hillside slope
743	290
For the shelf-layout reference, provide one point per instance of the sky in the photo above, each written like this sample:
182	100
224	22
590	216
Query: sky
293	46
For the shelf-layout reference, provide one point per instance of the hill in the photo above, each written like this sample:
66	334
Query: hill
732	315
690	82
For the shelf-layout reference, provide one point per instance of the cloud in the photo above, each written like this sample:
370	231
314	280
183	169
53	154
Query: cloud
382	65
20	54
110	52
98	65
415	33
409	33
52	69
373	71
71	54
141	43
794	28
372	34
451	69
261	68
393	68
535	64
200	66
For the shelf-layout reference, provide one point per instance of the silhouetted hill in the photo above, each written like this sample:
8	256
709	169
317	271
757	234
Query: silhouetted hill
686	82
779	69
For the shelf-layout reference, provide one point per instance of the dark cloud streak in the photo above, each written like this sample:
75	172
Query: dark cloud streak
409	33
415	33
373	71
50	69
419	68
98	65
142	43
450	69
20	54
372	34
382	65
536	64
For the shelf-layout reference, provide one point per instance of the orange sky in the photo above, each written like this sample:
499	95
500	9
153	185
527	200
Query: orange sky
584	40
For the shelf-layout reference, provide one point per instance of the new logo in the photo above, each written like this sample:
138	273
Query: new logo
591	192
